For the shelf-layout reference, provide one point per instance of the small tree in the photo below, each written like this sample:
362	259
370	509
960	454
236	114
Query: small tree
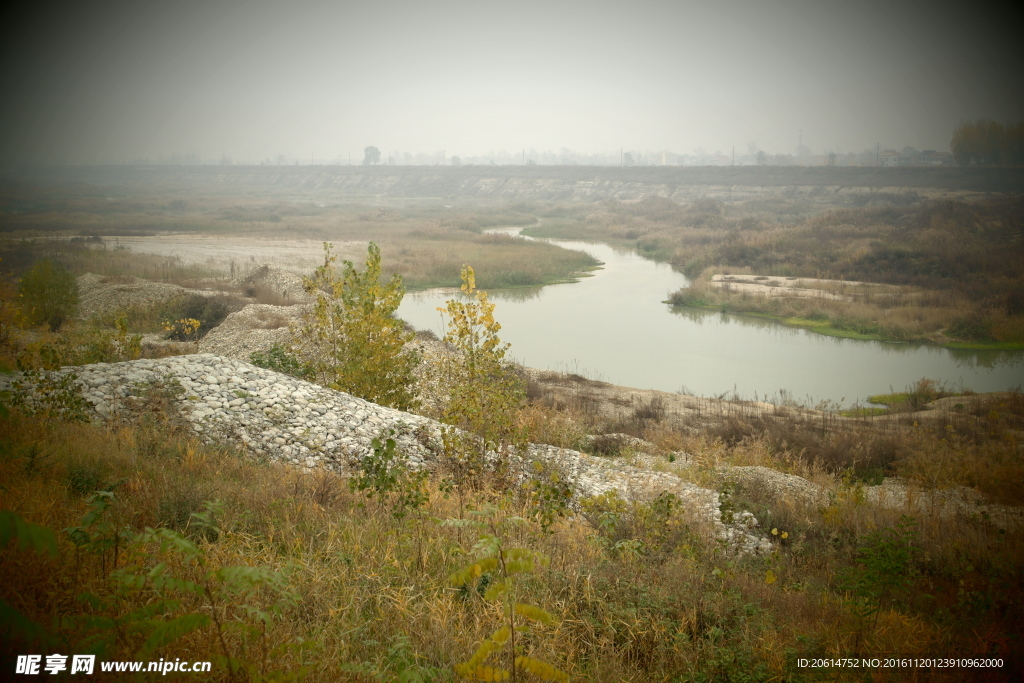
484	390
504	566
350	340
48	294
371	156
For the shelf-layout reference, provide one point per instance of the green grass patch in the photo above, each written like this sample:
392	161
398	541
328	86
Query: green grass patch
890	399
862	411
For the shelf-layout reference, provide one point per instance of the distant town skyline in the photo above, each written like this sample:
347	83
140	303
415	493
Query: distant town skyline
906	155
258	81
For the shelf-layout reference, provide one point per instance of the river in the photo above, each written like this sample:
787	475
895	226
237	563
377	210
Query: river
614	327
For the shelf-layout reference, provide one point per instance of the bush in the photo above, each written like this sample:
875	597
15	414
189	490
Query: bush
207	311
486	391
351	340
49	294
278	359
971	328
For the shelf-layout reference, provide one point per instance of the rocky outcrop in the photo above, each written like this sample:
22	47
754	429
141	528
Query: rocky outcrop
276	282
255	328
277	416
100	295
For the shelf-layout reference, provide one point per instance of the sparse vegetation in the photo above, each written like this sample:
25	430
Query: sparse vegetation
351	340
48	295
136	540
349	593
952	270
425	244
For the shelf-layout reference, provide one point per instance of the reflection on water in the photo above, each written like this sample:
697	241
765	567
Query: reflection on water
699	316
517	294
962	358
985	359
617	323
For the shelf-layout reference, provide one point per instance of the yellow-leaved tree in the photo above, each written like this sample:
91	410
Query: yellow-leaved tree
484	390
351	340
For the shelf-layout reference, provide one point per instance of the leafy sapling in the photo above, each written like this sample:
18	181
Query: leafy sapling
384	475
505	566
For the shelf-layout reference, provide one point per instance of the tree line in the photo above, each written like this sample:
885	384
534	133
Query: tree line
988	143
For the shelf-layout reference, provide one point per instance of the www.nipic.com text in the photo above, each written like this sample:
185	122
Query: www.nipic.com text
31	665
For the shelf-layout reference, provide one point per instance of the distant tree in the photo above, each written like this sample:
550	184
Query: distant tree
627	159
762	158
831	158
987	143
48	294
371	156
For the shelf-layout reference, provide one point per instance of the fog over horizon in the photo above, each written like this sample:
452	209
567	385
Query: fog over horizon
251	81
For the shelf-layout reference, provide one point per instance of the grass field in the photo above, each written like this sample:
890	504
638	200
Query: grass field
426	244
337	589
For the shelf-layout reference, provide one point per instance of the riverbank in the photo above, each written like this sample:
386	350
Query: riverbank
826	328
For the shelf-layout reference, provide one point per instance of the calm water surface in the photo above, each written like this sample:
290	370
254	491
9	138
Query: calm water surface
614	327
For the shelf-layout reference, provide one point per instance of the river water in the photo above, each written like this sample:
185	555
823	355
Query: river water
614	327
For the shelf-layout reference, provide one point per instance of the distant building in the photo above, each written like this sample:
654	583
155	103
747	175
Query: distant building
930	157
889	158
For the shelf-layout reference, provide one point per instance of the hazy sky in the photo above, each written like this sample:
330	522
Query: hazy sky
94	81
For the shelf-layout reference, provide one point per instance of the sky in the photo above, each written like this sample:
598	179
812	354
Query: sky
99	81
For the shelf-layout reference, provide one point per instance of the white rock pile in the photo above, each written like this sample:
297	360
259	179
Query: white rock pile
277	416
255	328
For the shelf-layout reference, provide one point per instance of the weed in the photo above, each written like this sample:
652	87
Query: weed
383	474
884	571
85	478
279	359
547	494
507	564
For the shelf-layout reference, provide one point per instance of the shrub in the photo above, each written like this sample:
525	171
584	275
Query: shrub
278	359
195	315
351	340
48	294
486	390
971	328
504	566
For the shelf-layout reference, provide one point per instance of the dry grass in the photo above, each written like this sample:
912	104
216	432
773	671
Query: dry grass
373	598
951	270
905	314
426	244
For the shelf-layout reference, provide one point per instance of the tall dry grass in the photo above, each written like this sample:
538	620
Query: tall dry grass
426	245
373	597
